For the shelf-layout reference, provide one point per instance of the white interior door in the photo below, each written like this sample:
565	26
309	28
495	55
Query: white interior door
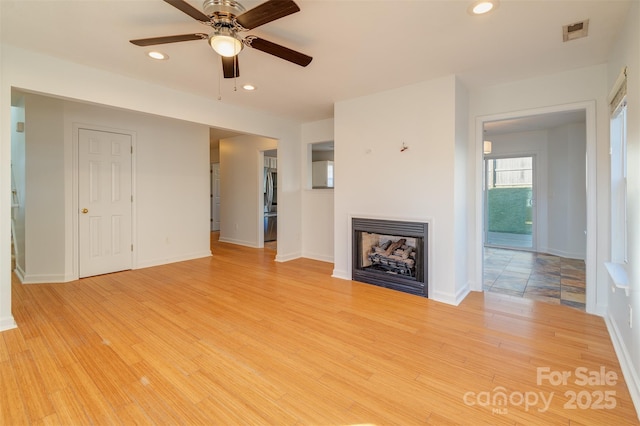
215	196
104	198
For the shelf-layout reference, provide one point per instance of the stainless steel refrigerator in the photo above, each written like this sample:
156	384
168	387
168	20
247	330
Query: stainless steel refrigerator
270	204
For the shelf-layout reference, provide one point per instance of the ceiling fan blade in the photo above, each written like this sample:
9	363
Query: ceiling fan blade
230	67
168	39
278	50
266	12
188	9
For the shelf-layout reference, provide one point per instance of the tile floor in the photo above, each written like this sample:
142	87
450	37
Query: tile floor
537	276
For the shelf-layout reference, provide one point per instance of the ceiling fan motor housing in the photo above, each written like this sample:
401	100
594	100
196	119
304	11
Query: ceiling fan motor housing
222	8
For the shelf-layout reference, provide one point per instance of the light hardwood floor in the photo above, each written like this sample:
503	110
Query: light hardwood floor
240	339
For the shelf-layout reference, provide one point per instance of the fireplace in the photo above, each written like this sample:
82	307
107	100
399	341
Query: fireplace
391	254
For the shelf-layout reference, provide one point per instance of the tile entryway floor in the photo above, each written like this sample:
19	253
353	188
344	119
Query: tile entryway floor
537	276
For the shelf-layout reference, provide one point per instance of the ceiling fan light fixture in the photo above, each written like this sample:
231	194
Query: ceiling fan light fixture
225	43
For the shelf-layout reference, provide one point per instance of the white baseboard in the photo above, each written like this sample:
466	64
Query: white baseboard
343	275
472	286
629	372
561	253
7	323
251	244
19	273
167	260
462	294
320	257
44	279
287	257
450	298
601	310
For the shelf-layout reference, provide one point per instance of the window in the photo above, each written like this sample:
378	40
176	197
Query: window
618	152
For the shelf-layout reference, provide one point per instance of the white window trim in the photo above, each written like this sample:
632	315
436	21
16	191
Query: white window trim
617	267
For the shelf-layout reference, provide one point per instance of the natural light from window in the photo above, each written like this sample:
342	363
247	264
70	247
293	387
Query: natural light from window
617	266
619	184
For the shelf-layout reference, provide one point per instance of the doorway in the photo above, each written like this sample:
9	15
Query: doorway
550	170
270	198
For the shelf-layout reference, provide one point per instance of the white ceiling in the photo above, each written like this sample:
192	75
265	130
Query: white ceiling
359	46
533	122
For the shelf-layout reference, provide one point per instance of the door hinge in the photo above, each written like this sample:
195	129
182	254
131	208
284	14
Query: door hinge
132	198
131	247
132	149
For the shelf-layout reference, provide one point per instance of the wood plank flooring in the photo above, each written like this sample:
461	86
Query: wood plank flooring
240	339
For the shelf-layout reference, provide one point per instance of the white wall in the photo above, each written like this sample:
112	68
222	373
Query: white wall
626	338
317	204
6	318
460	196
39	73
171	183
241	196
44	190
171	186
567	201
375	178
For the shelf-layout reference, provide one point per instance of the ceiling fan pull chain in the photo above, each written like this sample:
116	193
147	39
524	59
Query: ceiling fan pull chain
235	73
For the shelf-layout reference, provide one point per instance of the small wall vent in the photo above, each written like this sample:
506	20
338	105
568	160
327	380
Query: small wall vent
575	30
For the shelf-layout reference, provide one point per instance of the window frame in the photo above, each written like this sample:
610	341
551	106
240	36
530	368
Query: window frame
618	172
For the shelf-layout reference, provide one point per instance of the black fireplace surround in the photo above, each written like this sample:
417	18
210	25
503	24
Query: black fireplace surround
391	254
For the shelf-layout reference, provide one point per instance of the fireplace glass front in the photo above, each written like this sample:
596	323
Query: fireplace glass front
390	254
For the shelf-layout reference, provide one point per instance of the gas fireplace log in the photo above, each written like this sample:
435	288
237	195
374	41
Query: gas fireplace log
395	245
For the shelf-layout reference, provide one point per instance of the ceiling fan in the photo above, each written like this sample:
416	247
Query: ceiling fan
227	18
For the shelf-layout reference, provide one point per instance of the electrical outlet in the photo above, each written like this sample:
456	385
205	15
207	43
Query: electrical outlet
630	317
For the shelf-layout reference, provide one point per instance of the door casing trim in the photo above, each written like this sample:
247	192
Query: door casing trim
593	306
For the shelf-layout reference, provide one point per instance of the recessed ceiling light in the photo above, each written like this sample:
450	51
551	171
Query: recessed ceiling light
483	6
158	55
249	87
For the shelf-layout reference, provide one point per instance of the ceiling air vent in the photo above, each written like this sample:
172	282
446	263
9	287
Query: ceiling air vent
574	31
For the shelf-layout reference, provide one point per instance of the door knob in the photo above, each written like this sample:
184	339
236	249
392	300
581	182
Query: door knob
85	211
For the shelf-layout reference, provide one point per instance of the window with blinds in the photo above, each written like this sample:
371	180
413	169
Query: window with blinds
618	152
